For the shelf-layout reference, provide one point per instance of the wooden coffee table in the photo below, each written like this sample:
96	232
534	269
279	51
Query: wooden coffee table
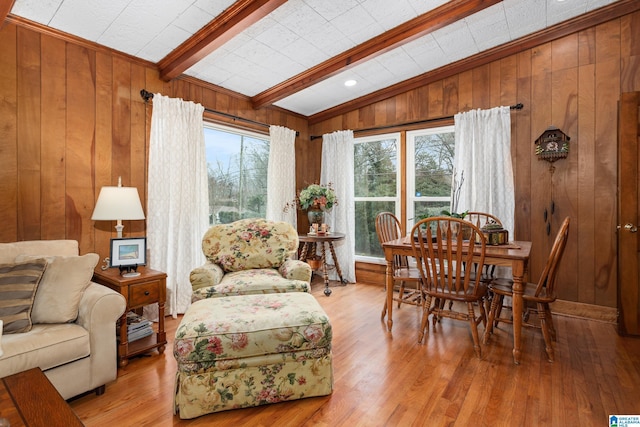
29	399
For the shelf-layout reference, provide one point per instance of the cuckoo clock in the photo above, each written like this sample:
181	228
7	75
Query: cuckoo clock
552	145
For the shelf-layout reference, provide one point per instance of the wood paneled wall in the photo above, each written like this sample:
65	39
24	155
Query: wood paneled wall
573	83
72	121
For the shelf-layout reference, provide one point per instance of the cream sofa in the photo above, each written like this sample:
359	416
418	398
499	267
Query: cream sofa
78	355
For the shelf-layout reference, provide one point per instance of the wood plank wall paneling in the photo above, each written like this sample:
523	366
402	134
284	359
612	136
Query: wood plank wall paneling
9	208
72	121
53	131
573	83
28	134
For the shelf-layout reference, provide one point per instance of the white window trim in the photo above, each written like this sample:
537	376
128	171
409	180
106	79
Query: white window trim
411	181
396	200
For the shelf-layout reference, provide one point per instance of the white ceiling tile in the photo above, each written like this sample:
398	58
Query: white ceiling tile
354	21
302	20
163	44
331	9
213	7
192	19
306	53
558	11
96	17
389	18
40	11
525	17
456	40
277	37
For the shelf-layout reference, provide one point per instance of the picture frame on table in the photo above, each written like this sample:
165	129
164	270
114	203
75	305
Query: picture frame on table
128	253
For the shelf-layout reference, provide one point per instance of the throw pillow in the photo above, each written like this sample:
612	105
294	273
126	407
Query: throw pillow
18	286
62	286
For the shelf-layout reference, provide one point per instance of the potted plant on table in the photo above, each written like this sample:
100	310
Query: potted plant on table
316	199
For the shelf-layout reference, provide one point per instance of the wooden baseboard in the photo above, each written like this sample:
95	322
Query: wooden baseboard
586	311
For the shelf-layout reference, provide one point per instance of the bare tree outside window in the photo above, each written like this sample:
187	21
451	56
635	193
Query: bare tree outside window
237	174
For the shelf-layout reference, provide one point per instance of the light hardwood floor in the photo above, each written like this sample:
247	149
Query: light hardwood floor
388	379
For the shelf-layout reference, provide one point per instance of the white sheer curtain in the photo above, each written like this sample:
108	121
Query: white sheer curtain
337	168
281	174
178	200
483	154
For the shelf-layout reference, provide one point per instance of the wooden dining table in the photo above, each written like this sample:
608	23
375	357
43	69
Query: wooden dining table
514	254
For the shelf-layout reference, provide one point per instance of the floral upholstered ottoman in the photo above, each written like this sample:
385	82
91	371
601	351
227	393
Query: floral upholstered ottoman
250	350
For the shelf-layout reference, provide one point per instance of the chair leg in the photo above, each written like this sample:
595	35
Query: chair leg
384	309
498	309
400	293
544	325
495	301
424	324
474	330
552	327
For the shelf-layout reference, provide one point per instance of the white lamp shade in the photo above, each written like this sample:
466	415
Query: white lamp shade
117	203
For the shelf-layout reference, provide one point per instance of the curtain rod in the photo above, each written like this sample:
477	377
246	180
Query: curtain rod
146	95
518	106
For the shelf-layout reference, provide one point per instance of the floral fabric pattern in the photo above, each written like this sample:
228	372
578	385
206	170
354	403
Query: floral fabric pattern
235	352
250	256
250	243
257	281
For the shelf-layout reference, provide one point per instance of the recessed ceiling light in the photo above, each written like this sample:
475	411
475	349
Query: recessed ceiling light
350	83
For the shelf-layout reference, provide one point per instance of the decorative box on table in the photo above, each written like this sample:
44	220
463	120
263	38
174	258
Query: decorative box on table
495	234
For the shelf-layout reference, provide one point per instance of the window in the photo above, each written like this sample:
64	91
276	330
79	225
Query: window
237	173
377	186
430	152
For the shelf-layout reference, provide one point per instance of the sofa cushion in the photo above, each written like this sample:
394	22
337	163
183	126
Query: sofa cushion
18	286
44	346
256	281
61	288
250	243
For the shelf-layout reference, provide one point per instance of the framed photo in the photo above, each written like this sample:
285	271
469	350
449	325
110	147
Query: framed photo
128	252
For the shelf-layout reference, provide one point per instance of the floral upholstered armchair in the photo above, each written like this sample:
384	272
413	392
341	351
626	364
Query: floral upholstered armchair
250	256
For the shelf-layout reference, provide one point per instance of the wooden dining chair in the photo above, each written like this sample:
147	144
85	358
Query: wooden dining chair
388	228
480	219
536	296
441	253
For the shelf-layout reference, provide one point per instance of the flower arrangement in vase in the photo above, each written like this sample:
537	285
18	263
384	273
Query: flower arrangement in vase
316	199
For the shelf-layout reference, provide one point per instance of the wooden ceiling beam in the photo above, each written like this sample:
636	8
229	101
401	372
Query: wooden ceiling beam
235	19
588	20
424	24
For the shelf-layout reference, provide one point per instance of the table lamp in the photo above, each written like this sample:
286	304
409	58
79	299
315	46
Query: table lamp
118	203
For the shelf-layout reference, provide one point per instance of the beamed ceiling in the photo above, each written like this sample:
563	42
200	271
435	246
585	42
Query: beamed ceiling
297	54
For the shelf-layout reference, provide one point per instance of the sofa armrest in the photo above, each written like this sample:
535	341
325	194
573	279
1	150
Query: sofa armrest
100	308
208	274
296	270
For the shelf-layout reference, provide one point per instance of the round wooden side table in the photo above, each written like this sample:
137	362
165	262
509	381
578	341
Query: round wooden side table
309	249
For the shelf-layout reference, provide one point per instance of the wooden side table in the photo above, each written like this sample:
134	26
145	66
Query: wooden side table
150	287
308	249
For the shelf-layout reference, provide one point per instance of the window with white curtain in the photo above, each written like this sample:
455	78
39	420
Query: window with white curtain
378	172
237	163
376	188
430	154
